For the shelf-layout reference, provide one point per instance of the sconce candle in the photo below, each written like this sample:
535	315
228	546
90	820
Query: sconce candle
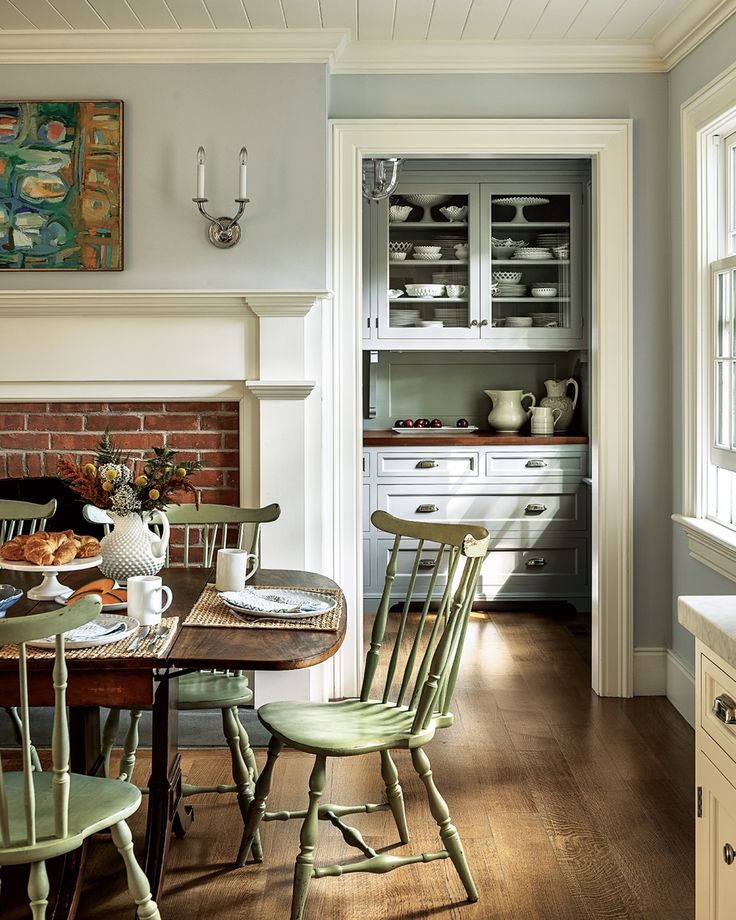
243	174
200	172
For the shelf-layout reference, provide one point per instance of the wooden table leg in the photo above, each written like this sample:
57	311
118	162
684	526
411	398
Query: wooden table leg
164	785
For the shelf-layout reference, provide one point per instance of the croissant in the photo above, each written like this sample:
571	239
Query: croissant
13	549
50	548
87	546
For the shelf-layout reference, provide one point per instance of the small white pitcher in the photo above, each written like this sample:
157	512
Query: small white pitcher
544	420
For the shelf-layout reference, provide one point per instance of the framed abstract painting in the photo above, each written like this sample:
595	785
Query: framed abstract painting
61	186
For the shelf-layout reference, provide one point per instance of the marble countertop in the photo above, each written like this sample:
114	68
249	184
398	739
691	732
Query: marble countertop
712	619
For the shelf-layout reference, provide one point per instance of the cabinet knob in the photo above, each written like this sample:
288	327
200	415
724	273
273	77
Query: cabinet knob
427	563
729	854
484	322
426	509
474	322
427	465
535	509
724	708
535	464
536	563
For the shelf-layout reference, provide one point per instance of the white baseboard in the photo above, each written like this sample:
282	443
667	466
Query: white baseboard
681	687
650	672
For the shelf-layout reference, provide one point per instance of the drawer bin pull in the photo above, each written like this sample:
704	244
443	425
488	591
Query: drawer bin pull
427	509
535	509
729	854
427	563
536	563
724	708
536	464
427	465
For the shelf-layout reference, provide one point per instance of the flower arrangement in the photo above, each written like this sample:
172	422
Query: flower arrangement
116	483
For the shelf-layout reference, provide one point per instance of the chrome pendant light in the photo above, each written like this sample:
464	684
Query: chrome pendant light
380	177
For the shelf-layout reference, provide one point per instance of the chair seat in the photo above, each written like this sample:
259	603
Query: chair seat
94	804
204	690
343	728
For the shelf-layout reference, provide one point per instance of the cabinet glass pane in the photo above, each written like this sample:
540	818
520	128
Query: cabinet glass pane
428	249
531	261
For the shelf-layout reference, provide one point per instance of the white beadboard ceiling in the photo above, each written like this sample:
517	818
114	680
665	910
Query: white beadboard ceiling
355	36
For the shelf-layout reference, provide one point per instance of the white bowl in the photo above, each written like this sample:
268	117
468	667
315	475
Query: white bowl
427	256
399	246
452	212
425	200
544	292
512	277
427	249
502	252
425	290
396	256
398	212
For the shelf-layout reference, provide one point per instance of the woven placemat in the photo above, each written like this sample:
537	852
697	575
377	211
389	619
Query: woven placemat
211	610
149	647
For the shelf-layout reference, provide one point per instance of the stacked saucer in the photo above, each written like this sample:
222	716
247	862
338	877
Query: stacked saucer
400	316
549	240
533	254
510	289
545	319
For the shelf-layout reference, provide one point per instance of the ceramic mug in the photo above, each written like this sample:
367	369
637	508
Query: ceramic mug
544	420
232	571
145	598
455	290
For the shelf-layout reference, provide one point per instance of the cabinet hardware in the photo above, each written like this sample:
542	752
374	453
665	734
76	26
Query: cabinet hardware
535	464
427	563
427	465
535	509
700	801
536	563
474	322
724	709
729	854
484	322
426	509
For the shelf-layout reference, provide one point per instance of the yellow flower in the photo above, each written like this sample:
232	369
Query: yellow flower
141	481
111	475
181	472
107	486
154	494
90	469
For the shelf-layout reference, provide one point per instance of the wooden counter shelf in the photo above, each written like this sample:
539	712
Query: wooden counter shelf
480	439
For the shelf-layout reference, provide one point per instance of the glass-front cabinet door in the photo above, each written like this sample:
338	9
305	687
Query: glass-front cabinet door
531	263
426	269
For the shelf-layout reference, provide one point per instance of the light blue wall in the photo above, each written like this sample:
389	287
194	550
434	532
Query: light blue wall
643	98
278	111
706	62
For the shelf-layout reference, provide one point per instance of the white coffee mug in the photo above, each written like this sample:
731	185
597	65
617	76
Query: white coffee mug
232	571
145	598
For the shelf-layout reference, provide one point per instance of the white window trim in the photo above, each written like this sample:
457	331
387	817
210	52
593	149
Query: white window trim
710	112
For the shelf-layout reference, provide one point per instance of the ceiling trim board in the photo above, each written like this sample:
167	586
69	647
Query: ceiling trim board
687	30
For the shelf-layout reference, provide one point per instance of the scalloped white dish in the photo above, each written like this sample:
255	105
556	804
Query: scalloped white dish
103	630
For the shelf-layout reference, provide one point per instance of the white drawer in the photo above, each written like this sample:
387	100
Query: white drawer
535	463
525	508
716	684
436	464
544	565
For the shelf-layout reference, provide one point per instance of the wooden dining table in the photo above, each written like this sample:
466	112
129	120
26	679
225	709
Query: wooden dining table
131	682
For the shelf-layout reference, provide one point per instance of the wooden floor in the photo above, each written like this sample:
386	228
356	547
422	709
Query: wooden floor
570	807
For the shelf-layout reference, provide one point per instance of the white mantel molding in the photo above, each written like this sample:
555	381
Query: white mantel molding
280	389
159	303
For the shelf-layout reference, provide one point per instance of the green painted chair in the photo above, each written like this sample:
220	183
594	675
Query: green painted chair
16	518
204	690
43	815
420	675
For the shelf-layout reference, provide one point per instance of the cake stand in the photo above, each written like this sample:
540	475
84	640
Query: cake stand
50	588
520	202
427	202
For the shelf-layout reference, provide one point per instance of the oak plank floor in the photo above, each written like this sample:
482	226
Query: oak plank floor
570	807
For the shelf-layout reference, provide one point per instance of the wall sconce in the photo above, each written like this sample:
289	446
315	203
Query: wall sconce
223	232
380	177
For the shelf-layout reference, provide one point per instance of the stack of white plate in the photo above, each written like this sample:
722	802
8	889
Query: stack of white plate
548	240
403	317
518	321
451	277
452	316
545	319
508	289
532	254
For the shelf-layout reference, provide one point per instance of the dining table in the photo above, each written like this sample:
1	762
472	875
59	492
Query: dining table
148	680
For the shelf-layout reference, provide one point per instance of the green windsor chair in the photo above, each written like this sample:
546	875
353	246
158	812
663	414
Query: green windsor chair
204	690
43	815
421	672
18	518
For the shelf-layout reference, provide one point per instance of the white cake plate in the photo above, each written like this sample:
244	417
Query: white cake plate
50	588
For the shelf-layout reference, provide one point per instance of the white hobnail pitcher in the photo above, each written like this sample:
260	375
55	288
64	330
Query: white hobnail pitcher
557	398
131	547
508	414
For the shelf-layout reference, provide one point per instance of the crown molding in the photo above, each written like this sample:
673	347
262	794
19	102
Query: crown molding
27	303
172	46
281	389
693	25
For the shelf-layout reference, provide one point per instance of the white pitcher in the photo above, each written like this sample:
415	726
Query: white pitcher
508	414
544	419
557	398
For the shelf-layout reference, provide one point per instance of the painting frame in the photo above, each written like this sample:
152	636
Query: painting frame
61	185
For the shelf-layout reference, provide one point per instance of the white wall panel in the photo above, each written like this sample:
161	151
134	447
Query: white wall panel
227	14
375	20
115	14
484	18
412	19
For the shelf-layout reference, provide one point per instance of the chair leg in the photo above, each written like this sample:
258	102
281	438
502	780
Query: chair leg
130	746
138	885
395	796
441	814
241	774
247	750
15	724
109	736
308	839
38	890
258	805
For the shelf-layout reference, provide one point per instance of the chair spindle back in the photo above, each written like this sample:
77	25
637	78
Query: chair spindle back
18	517
217	522
425	681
